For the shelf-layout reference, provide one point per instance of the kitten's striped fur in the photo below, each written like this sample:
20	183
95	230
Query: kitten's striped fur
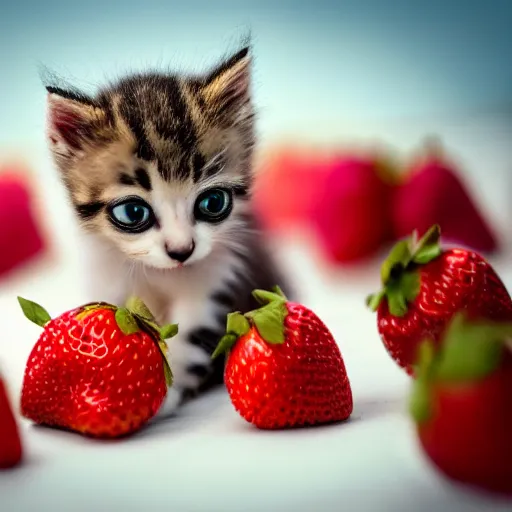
165	138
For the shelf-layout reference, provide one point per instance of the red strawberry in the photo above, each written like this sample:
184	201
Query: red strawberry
11	451
287	187
462	404
284	368
424	286
97	369
352	217
17	216
433	193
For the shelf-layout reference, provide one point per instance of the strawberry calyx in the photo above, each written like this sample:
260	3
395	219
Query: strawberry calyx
399	272
268	320
133	317
469	352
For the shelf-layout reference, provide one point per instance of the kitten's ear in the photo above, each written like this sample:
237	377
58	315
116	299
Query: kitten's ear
73	121
226	88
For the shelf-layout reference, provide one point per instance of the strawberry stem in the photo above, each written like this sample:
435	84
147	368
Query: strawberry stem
268	321
137	307
399	275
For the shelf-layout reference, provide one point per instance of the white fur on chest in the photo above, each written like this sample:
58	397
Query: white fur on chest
180	295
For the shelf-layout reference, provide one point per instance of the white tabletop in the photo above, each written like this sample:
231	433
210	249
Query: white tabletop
207	458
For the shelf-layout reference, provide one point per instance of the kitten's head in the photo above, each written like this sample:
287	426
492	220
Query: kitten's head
159	165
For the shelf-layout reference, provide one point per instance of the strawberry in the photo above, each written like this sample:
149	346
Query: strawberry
352	216
11	451
433	192
287	188
17	216
462	403
283	367
424	286
97	369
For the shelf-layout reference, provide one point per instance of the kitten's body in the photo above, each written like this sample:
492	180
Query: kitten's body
172	146
198	297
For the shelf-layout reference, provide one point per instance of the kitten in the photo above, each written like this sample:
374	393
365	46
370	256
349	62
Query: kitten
158	169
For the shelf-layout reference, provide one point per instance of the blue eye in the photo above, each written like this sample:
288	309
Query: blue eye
213	205
132	215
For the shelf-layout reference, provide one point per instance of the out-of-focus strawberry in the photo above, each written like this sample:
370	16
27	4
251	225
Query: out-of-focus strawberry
462	404
352	218
433	192
286	188
11	450
22	239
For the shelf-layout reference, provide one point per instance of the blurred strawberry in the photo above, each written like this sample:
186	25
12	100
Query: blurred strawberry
433	193
352	218
287	187
462	404
11	451
21	237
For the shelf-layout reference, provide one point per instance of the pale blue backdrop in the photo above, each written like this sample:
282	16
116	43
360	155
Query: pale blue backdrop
316	61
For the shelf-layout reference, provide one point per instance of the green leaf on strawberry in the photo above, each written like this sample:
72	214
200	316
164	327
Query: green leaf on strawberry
126	321
34	312
470	351
237	324
399	272
225	345
268	320
137	307
130	319
168	331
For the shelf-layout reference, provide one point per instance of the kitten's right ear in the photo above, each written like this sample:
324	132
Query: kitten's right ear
73	121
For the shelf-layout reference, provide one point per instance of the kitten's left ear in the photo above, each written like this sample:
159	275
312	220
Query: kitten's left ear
226	89
73	121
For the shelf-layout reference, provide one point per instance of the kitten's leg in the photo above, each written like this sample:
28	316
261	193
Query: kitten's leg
190	351
190	364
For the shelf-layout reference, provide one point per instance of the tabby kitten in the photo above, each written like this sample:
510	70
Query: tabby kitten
158	169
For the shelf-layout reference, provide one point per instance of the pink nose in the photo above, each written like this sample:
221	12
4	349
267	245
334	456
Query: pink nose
180	254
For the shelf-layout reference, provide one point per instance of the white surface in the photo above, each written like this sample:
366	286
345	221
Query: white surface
208	459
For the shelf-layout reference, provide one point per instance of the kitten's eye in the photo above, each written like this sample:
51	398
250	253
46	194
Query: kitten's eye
132	214
213	205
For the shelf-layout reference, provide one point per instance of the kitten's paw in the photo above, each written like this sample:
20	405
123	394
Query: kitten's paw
171	403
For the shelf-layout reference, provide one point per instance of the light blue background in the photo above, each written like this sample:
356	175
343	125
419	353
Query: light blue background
316	61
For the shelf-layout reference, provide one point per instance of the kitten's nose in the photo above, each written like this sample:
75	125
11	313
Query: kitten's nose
180	254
